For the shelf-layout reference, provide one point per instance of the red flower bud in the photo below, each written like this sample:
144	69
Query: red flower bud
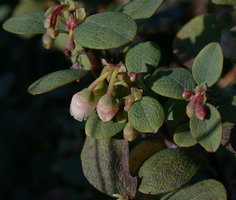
200	110
129	132
72	24
107	107
70	46
186	94
83	104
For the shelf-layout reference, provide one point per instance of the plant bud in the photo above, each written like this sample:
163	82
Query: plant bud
129	132
107	107
52	33
186	94
80	14
200	112
70	45
82	104
47	41
72	24
190	109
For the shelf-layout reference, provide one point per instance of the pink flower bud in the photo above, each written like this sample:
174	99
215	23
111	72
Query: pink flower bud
129	132
107	107
72	24
190	109
83	104
133	76
200	112
186	94
70	46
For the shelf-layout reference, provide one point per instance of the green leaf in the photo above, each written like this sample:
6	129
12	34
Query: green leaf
142	151
55	80
228	139
141	10
101	130
227	108
175	109
224	2
143	57
146	115
171	82
205	190
166	171
183	136
195	35
105	164
209	130
208	64
106	31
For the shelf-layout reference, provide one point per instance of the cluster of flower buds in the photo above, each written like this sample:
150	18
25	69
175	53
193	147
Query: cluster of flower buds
68	12
197	100
101	95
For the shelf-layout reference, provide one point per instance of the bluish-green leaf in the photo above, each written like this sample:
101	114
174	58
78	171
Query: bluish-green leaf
101	130
105	164
208	131
146	115
166	171
106	30
204	190
141	10
171	82
143	58
55	80
208	64
224	2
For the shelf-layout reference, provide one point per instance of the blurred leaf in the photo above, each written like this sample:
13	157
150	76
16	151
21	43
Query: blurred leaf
208	131
106	166
229	136
171	82
227	108
208	64
146	115
224	2
175	109
55	80
166	171
183	136
106	31
195	35
28	6
141	10
143	57
101	130
4	11
205	190
142	151
228	44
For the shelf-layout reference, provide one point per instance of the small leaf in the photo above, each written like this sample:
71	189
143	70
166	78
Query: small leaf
141	10
227	108
106	31
195	35
101	130
175	109
205	190
209	130
183	136
229	136
224	2
171	82
55	80
143	57
142	151
146	115
208	64
166	171
105	164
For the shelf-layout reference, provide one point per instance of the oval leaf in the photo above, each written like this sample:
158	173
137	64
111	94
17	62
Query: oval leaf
209	130
183	136
55	80
171	82
228	139
141	10
224	2
142	151
105	164
166	171
195	35
101	130
205	190
106	31
208	64
143	57
146	115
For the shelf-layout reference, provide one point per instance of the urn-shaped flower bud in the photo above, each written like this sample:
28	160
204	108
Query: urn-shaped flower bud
107	107
200	110
190	109
186	94
83	104
129	132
